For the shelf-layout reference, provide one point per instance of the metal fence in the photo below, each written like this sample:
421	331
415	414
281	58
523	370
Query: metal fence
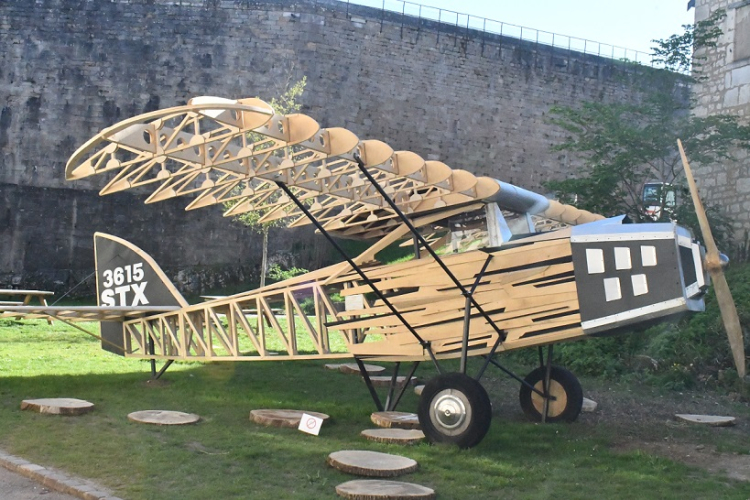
468	22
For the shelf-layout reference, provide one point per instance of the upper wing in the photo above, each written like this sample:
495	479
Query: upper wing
230	152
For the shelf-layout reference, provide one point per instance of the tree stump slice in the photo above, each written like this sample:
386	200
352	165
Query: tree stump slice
333	367
353	368
394	436
371	463
710	420
282	418
58	406
398	419
163	417
385	380
418	390
377	489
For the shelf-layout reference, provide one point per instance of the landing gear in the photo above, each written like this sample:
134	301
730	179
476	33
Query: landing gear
454	408
564	387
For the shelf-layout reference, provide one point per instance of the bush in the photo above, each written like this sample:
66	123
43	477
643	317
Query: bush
607	357
696	349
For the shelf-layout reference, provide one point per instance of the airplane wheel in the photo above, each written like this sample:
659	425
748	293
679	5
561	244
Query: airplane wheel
564	386
454	408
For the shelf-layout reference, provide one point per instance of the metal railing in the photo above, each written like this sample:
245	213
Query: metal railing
458	21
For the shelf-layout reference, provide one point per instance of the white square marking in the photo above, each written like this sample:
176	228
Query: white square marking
622	258
648	256
640	284
612	289
595	260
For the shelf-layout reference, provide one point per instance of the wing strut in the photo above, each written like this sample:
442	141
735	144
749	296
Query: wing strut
425	344
469	294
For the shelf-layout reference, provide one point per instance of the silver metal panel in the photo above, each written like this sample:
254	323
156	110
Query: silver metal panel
497	226
614	231
635	315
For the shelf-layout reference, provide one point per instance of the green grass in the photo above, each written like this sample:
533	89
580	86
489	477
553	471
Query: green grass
227	456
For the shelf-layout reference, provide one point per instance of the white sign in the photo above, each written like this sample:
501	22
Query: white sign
310	424
354	302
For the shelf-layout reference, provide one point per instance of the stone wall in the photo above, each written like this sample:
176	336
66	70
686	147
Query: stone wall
71	67
727	90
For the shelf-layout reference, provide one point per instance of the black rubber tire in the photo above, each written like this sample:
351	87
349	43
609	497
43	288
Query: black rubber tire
464	427
563	385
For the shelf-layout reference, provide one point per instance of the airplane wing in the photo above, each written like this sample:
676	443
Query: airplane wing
233	152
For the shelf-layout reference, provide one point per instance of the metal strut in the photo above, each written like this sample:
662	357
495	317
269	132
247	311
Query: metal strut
368	383
425	344
547	377
417	236
467	316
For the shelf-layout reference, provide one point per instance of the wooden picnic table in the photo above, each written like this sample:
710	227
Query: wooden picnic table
28	296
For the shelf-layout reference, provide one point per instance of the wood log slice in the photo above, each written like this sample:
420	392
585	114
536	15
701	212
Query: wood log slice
385	380
399	419
163	417
394	436
353	368
377	489
333	367
371	463
710	420
58	406
282	418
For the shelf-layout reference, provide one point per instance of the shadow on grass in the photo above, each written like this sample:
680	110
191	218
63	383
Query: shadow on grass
227	456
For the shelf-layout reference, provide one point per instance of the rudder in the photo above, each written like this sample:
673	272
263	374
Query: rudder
126	276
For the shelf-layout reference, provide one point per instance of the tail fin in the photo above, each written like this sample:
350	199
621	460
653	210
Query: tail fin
128	277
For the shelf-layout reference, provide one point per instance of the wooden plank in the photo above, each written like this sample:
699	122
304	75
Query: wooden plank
239	317
312	332
266	311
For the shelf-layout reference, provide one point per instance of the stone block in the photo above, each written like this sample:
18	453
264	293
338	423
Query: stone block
731	97
743	185
744	97
741	76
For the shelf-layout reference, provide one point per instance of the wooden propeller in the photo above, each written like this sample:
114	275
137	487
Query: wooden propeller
713	263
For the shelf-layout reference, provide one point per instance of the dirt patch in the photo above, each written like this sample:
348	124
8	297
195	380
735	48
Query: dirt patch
645	421
156	382
731	465
634	417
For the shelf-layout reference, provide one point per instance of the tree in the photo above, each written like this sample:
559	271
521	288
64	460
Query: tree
627	144
286	103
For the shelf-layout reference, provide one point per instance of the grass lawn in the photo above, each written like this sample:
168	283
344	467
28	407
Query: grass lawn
227	456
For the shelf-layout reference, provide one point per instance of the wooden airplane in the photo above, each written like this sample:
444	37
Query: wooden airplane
540	272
